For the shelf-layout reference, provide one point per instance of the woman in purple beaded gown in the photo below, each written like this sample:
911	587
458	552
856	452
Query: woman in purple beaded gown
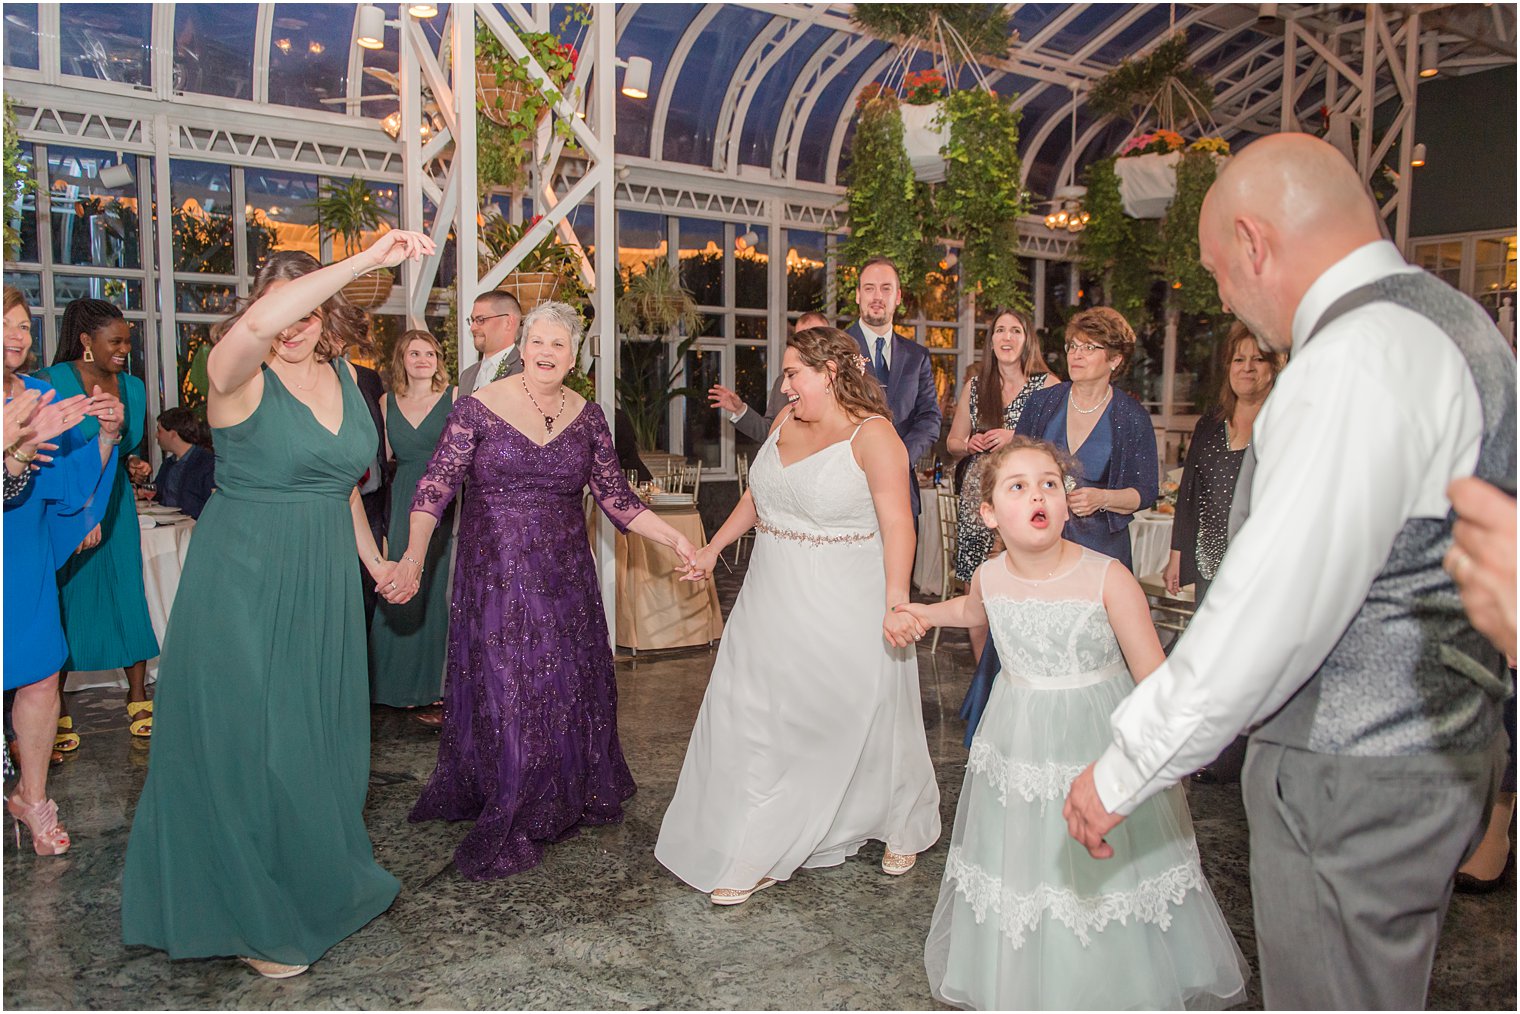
529	747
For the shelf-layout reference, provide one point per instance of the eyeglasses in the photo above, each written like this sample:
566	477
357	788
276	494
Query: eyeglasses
472	319
1083	347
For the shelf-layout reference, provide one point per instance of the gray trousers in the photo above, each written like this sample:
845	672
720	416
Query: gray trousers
1352	860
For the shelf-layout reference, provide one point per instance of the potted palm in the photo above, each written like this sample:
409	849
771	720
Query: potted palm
653	304
349	210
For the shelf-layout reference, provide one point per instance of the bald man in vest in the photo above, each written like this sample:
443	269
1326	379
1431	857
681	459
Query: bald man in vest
1331	630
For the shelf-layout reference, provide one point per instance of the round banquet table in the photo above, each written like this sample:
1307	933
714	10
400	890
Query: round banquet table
655	608
1150	542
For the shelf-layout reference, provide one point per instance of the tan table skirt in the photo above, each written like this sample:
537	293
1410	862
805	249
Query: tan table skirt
655	608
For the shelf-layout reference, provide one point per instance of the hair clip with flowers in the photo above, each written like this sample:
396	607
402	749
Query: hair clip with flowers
1070	484
860	363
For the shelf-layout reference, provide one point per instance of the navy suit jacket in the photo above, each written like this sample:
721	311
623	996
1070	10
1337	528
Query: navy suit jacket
910	395
187	482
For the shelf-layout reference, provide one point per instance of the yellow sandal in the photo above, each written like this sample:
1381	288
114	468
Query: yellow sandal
140	715
67	740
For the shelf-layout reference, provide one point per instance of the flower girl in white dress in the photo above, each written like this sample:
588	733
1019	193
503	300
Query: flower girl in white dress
810	741
1026	919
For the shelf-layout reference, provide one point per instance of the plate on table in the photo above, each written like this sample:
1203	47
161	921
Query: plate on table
671	500
154	510
1154	515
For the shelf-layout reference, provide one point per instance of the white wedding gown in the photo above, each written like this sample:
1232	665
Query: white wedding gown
810	740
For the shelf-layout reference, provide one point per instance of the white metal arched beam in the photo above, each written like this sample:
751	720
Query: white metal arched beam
1112	32
672	74
730	135
799	115
836	144
808	83
1062	115
746	73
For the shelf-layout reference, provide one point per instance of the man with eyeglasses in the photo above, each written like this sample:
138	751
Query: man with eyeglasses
493	325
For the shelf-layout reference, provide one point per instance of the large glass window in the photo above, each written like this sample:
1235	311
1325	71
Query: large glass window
308	54
21	36
282	213
22	214
704	427
213	48
1494	271
752	267
753	385
106	41
806	273
201	196
93	223
702	256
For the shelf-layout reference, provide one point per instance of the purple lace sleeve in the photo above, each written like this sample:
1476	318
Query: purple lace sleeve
608	485
450	462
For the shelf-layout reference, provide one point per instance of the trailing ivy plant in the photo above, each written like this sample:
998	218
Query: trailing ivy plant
882	193
1119	249
1190	287
502	152
17	183
1155	79
982	197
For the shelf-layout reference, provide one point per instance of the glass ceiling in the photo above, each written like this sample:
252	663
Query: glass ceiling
809	60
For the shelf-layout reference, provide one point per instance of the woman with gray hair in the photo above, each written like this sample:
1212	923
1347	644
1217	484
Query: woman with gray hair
529	747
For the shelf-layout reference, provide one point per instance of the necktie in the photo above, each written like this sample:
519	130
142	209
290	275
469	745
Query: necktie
881	360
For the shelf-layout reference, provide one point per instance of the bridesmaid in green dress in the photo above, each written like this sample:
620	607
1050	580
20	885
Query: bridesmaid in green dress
407	642
105	610
249	836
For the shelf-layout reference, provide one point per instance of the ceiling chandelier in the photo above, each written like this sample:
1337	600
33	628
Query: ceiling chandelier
1067	212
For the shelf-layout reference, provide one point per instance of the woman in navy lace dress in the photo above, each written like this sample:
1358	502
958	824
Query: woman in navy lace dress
529	747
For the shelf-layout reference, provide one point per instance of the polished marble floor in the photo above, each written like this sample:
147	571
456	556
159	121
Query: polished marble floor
600	924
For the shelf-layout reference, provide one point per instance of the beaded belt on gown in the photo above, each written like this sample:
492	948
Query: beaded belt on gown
813	538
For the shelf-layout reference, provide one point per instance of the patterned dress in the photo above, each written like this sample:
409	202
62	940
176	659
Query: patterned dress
529	747
975	539
1026	919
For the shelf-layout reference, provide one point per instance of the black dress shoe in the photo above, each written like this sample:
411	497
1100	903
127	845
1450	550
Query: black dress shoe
1469	884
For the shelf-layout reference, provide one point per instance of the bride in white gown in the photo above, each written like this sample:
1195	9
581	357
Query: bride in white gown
810	740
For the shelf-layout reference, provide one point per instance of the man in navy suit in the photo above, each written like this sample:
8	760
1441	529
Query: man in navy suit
901	365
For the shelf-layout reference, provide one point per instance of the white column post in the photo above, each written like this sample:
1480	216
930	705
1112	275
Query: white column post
604	30
467	230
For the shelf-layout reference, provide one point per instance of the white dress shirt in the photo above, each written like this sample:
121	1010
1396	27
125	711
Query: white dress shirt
871	336
490	364
1364	430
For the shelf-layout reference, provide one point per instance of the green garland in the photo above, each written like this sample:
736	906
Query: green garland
983	27
17	183
1117	248
1136	83
1190	285
882	194
982	197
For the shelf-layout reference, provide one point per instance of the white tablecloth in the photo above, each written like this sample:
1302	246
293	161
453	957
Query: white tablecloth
163	550
1150	542
928	561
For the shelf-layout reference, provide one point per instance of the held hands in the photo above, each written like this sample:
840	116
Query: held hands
902	626
1087	820
397	582
699	562
395	246
719	396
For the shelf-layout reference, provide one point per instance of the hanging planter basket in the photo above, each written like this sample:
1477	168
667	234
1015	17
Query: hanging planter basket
498	103
924	135
369	291
1147	183
533	287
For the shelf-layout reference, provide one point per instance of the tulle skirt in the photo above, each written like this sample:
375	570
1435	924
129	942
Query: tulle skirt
1026	919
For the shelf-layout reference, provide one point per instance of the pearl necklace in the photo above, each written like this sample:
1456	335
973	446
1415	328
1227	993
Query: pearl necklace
549	420
1071	397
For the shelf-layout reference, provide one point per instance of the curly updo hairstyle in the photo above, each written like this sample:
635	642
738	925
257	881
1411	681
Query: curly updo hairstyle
344	325
830	350
1105	326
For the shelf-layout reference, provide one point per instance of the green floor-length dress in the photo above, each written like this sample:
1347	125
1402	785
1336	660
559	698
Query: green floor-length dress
249	836
105	609
407	642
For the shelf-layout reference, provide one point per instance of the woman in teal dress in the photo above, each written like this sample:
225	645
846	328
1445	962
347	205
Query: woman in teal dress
249	836
407	642
105	610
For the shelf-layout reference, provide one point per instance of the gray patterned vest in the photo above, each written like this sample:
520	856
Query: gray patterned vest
1410	675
